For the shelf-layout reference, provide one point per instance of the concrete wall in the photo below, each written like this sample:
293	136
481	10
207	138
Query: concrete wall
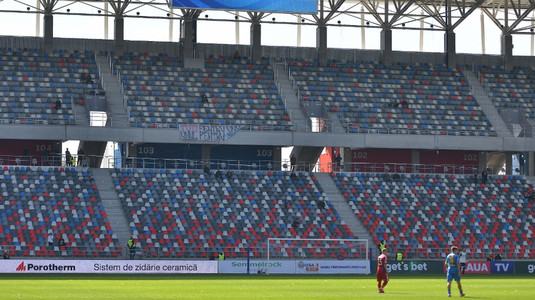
275	138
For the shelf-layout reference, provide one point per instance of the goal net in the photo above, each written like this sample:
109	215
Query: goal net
320	256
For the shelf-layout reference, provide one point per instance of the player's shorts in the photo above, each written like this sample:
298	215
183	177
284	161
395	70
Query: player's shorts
453	275
382	276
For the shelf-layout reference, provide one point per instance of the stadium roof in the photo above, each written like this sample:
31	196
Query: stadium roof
512	17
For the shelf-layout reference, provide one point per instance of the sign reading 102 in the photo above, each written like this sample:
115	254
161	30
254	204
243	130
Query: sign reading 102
360	155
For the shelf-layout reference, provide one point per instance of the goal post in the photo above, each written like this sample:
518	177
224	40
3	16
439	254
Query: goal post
319	256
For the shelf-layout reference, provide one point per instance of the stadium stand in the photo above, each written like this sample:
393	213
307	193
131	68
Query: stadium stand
225	214
161	92
399	99
36	201
32	81
510	89
420	213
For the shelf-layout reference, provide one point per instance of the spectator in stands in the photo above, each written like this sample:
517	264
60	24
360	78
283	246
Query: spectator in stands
86	78
338	161
321	204
68	157
81	156
293	162
361	110
396	177
498	257
6	254
218	174
58	105
382	245
484	176
204	98
61	242
46	157
229	174
221	255
490	257
131	247
404	104
529	194
50	239
296	223
236	55
293	176
206	170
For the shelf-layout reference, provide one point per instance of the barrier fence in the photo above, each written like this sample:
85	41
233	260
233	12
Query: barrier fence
254	266
260	165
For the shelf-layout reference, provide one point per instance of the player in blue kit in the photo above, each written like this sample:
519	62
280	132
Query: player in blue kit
452	262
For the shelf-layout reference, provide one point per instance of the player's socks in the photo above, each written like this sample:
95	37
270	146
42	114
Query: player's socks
461	292
449	292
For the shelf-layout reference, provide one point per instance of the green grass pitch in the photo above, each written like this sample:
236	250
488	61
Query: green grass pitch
24	286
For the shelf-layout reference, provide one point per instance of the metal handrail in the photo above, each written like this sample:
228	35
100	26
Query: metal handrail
259	165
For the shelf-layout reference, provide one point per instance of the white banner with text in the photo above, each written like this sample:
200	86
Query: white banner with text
332	267
108	266
257	266
295	266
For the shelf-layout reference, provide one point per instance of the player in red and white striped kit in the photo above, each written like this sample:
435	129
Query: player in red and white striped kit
382	274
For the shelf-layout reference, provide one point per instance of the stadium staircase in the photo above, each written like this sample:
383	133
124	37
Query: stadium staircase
342	207
116	108
293	108
486	104
80	115
337	125
111	204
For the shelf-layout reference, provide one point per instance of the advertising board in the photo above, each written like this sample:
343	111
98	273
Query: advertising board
409	266
108	266
525	267
477	267
294	6
502	267
294	267
257	266
331	267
